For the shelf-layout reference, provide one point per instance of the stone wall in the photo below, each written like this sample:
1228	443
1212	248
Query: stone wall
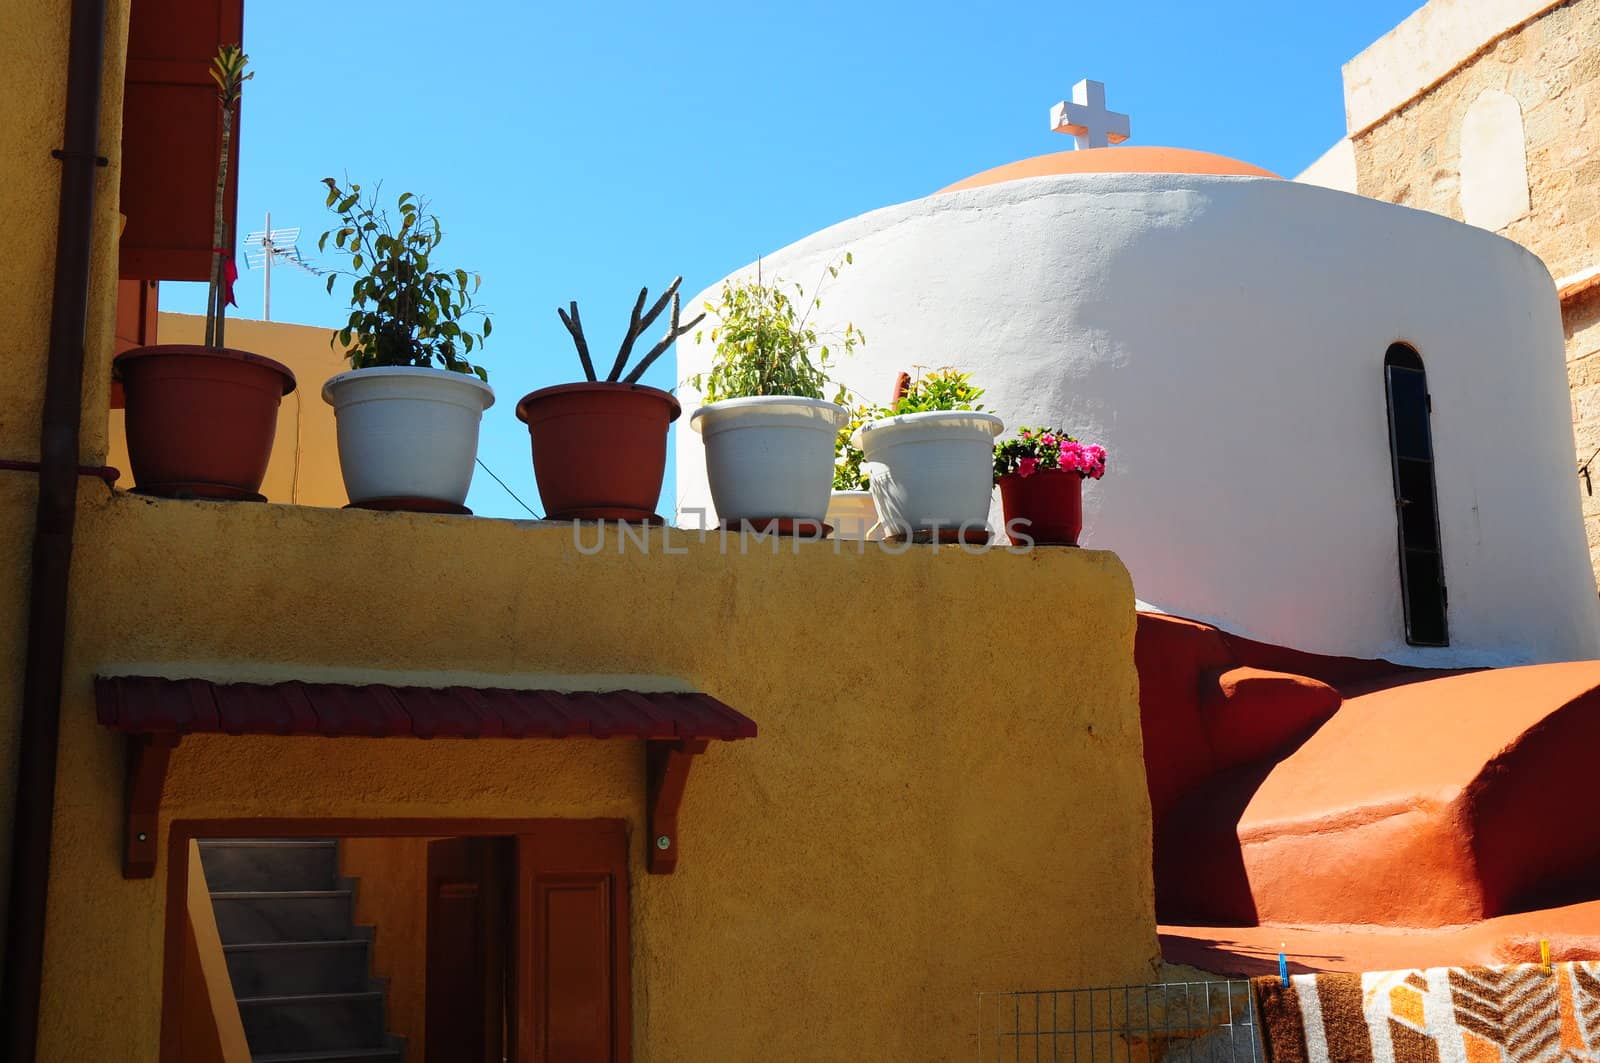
1550	68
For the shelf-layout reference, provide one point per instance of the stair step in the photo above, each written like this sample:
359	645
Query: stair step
350	1055
299	967
259	916
237	864
320	1022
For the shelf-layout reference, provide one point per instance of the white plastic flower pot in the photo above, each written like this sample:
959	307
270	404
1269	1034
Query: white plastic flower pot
769	457
931	471
407	432
853	516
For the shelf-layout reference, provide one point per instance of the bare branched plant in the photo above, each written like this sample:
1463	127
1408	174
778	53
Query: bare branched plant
640	320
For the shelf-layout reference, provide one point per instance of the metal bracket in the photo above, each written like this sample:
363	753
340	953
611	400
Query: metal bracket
64	155
148	755
666	773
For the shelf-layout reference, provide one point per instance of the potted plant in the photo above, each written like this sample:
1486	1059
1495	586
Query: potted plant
200	419
1041	474
769	433
851	513
600	446
929	460
408	410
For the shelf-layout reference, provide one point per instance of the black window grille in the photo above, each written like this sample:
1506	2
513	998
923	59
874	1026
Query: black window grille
1422	586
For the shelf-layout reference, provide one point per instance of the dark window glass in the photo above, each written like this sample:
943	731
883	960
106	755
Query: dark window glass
1425	616
1418	522
1408	398
1416	506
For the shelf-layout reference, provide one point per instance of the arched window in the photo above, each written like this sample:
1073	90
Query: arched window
1416	506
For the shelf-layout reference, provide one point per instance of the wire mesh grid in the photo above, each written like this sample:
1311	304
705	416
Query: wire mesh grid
1171	1022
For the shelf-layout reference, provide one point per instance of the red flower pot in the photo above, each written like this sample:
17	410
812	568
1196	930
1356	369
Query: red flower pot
1050	501
599	449
200	422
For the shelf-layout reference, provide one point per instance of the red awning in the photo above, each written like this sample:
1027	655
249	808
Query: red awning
148	705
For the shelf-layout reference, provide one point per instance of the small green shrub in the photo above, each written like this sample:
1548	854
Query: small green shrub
847	457
941	389
403	310
765	344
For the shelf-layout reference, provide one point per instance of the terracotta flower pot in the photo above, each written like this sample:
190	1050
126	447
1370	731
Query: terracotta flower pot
1050	502
599	449
200	422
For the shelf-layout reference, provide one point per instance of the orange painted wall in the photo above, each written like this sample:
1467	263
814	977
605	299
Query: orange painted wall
392	898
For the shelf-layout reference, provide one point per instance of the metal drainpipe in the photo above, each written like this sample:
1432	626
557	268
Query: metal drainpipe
54	517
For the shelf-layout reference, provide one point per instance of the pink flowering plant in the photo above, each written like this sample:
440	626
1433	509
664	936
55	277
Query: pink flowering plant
1040	449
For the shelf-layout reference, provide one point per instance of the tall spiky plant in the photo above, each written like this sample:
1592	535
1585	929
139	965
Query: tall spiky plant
227	70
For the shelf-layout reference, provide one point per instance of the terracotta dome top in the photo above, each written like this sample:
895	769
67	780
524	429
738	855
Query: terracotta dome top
1114	160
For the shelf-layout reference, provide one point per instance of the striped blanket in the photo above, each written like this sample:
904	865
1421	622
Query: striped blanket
1516	1014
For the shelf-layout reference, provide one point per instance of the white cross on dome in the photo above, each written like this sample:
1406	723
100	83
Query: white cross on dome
1086	118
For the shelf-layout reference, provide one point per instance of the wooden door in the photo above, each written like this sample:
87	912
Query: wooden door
572	1003
467	938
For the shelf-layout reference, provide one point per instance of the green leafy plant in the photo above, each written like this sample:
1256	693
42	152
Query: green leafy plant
404	310
941	389
765	344
228	71
847	457
641	320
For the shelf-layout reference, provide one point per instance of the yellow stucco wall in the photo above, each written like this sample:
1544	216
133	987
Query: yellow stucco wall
33	58
305	453
933	806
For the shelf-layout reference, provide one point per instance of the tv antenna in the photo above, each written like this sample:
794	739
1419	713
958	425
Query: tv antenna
260	248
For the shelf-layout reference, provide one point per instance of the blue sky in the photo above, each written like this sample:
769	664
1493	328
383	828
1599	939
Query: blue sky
579	151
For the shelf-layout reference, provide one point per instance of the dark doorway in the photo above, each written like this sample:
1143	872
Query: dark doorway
528	946
504	939
468	945
1422	585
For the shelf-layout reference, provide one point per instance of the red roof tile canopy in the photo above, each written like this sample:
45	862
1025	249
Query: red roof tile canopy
157	713
147	705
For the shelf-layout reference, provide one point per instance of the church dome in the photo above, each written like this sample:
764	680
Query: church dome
1114	160
1225	336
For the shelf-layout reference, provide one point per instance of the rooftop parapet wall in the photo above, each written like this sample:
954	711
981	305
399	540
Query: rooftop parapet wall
936	803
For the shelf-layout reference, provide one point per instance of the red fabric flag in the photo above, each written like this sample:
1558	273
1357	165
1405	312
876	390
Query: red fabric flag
230	273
